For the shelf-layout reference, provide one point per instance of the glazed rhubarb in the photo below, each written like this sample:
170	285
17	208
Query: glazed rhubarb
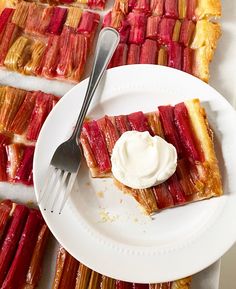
19	267
83	277
5	210
57	20
173	26
185	127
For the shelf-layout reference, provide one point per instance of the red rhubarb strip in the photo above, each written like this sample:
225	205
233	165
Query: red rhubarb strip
171	8
131	4
109	131
65	64
168	125
176	189
138	121
166	28
133	54
38	14
50	59
24	171
163	197
5	17
123	285
43	106
138	27
20	265
57	21
8	38
148	53
88	24
97	4
124	31
120	56
3	164
122	123
185	132
142	6
5	209
191	7
187	65
106	22
22	118
80	53
10	242
186	32
157	7
152	27
98	145
175	51
14	156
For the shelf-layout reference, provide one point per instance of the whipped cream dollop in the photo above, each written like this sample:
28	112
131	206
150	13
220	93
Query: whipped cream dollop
141	161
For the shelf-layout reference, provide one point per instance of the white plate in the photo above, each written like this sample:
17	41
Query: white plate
104	228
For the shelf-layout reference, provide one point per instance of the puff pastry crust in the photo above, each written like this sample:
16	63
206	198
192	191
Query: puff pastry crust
208	9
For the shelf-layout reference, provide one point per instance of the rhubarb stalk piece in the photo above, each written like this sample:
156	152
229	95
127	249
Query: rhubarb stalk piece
98	145
73	17
37	50
148	53
107	283
152	27
187	31
175	51
57	21
96	4
120	56
187	65
167	121
142	6
88	23
14	156
8	38
18	54
10	242
19	267
12	102
5	17
21	13
122	123
182	7
191	7
95	280
38	19
133	54
24	170
5	209
163	197
3	164
43	106
138	27
88	153
83	277
109	131
35	268
171	8
140	286
162	56
166	28
138	121
185	132
155	124
185	178
61	258
121	5
123	285
176	31
157	7
176	190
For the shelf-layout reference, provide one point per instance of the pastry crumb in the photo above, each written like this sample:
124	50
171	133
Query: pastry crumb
106	216
100	194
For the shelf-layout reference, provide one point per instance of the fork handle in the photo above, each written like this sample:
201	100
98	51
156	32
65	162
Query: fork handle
107	42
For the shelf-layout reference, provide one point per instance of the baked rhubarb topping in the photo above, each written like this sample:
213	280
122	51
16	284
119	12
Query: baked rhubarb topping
185	127
51	42
70	274
22	114
179	34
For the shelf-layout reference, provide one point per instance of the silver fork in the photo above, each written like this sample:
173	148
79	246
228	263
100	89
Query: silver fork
66	160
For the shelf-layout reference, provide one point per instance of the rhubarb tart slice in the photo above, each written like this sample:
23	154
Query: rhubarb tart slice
185	127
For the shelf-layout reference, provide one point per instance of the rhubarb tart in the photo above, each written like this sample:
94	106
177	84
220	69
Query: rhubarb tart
184	126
